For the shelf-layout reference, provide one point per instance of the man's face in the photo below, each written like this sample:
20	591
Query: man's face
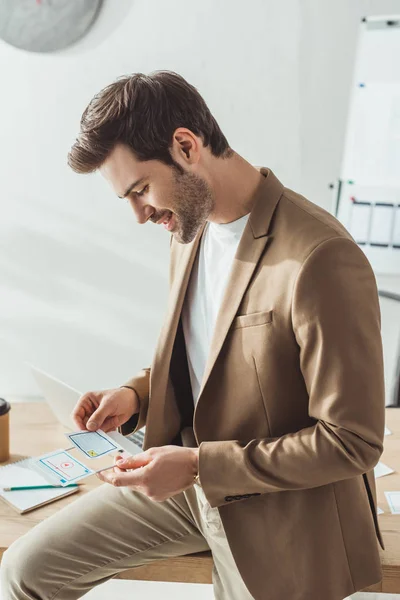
159	192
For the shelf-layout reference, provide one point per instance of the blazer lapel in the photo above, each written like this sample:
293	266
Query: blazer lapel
251	247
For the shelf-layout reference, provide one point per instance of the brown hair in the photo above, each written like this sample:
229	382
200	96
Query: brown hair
143	111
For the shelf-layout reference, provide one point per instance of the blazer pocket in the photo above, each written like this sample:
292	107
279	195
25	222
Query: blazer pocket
252	319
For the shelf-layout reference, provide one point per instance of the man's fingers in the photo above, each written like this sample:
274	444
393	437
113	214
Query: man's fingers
118	470
118	477
124	454
134	462
82	411
78	416
97	419
88	415
110	424
122	475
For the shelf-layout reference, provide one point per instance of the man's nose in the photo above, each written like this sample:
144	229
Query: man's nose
143	213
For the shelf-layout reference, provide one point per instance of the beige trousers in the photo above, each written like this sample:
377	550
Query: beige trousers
108	531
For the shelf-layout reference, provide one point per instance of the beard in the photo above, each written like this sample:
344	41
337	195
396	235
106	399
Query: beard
193	202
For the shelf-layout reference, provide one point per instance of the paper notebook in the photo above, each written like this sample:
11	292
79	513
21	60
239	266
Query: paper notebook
20	473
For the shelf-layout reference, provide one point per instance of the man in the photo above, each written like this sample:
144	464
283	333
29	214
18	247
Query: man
264	404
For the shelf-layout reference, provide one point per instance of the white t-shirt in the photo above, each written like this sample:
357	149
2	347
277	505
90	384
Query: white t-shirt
207	284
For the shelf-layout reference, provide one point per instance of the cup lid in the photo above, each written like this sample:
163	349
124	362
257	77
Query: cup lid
4	406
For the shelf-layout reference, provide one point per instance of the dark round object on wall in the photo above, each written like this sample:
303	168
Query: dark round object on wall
46	25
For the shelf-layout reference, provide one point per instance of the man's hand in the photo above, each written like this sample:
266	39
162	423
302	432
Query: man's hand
105	409
159	473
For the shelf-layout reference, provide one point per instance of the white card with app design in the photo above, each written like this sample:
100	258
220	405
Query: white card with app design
61	468
93	444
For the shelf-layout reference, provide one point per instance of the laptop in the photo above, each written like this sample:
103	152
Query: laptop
62	399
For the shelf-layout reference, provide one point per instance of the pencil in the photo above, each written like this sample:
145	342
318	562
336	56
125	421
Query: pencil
36	487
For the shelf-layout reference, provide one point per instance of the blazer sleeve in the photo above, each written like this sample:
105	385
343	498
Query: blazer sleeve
336	321
141	385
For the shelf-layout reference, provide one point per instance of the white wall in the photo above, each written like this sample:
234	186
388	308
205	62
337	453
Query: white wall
82	286
328	42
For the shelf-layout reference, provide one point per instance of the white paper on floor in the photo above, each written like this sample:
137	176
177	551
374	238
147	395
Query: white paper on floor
393	499
151	590
381	469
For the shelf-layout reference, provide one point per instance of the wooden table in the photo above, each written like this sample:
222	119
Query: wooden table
35	431
390	524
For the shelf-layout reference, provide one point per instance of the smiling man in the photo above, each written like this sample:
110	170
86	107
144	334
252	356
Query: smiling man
161	194
264	403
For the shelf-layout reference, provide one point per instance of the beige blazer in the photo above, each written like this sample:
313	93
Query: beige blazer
290	417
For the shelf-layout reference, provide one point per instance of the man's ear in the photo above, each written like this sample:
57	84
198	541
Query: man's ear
185	146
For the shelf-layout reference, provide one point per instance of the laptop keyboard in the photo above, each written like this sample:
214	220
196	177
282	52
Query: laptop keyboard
137	438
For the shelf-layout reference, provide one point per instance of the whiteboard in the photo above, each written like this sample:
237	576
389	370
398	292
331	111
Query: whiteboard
369	199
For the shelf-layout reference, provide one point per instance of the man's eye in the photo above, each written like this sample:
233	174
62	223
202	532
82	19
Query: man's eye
143	191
